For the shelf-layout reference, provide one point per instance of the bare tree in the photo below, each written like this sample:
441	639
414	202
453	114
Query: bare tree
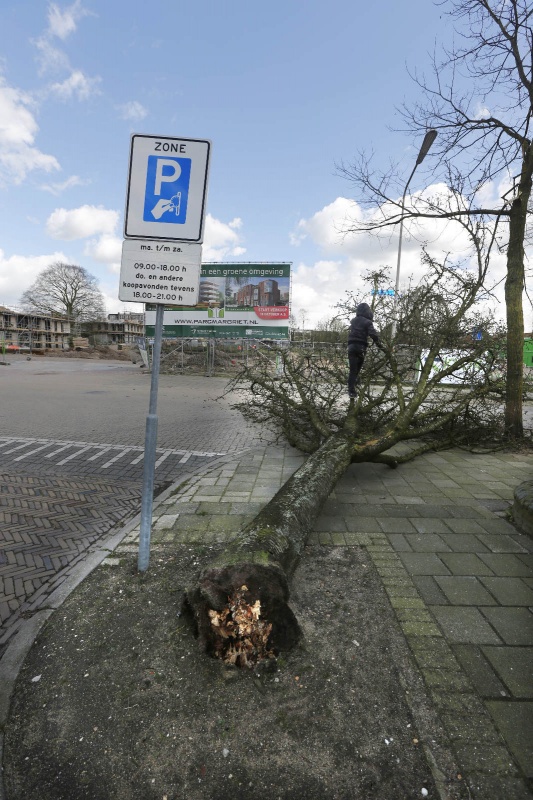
331	330
443	387
484	136
66	289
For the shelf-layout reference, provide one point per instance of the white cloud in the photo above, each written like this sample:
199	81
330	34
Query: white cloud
319	285
107	249
49	57
82	222
132	110
18	128
326	226
17	273
63	22
481	111
57	188
221	239
114	305
76	85
89	221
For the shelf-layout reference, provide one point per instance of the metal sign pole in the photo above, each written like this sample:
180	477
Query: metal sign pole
150	444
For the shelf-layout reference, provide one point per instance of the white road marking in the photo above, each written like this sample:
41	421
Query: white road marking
37	450
73	455
162	458
101	448
51	455
20	446
116	458
100	453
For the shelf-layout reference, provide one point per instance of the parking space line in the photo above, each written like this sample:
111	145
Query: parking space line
73	455
162	458
116	458
60	450
19	447
99	453
101	449
37	450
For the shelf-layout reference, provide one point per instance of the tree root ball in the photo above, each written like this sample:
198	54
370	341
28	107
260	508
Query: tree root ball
241	614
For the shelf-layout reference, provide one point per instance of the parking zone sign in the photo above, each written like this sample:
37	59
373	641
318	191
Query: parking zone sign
167	188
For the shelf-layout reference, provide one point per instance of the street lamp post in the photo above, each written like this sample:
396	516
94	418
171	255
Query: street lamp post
429	138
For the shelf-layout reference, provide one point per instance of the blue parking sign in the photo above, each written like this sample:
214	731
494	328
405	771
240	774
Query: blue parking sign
167	189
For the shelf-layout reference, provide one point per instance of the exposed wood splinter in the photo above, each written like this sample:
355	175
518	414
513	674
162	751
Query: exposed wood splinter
240	635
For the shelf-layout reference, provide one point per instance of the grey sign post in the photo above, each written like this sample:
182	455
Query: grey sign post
161	257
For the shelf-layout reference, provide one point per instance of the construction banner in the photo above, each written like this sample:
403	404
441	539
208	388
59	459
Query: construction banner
235	301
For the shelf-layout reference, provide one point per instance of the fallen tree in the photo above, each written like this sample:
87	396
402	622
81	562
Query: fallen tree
435	386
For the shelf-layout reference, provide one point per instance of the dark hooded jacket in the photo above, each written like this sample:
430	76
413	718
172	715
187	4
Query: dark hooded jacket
361	327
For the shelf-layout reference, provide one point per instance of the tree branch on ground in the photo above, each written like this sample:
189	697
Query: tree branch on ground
443	386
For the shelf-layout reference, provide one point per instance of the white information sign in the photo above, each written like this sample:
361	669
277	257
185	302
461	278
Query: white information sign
167	188
153	271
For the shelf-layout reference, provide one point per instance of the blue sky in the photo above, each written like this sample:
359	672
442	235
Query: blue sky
284	90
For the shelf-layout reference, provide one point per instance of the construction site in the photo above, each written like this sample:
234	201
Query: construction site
27	331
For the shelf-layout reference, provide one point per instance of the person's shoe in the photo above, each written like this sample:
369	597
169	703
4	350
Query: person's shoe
351	394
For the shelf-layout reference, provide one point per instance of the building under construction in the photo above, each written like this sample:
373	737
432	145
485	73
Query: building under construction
33	330
117	329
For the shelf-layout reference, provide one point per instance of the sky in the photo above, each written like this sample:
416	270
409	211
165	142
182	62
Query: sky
285	91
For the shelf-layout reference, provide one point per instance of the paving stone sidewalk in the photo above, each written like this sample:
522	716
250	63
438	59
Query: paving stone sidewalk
459	577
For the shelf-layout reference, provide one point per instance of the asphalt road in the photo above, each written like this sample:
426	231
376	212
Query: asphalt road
107	402
71	461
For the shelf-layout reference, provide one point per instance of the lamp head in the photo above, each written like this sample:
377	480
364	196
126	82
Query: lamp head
429	138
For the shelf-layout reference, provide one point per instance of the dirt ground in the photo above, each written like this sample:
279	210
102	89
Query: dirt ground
116	702
101	352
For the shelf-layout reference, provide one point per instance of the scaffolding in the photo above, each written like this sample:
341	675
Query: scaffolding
33	330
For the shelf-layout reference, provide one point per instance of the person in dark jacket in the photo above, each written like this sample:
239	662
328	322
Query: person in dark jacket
361	328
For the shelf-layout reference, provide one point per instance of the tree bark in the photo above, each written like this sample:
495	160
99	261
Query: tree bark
514	286
263	556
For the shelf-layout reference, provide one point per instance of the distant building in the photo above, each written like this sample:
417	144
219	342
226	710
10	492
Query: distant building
33	330
119	329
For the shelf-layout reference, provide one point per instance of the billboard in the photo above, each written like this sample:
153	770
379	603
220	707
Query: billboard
235	301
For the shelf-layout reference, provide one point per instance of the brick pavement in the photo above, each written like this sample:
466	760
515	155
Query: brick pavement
46	526
58	499
458	575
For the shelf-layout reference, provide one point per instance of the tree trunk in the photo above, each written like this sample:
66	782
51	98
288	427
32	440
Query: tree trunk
514	286
258	564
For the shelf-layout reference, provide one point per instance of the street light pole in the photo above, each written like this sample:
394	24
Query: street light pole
429	138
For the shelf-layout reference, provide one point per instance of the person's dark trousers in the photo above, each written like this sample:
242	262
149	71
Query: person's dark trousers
356	357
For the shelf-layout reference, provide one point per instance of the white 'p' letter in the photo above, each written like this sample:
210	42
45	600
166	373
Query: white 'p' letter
160	178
